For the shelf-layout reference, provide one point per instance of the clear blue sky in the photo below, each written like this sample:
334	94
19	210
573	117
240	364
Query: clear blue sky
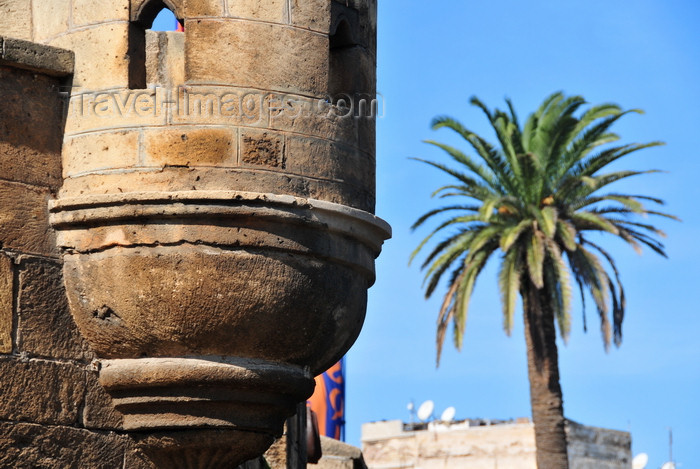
432	57
639	53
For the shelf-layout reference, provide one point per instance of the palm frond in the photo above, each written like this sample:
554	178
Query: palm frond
484	173
535	258
535	195
561	286
509	286
437	211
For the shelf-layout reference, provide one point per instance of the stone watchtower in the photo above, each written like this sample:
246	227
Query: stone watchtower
214	219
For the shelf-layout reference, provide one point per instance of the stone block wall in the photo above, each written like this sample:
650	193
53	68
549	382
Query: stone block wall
253	99
257	79
53	413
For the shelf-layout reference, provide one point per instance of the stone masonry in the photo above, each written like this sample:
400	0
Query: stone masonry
187	231
482	445
53	412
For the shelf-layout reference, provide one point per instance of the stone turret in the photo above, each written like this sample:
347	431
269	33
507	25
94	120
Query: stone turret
256	79
216	212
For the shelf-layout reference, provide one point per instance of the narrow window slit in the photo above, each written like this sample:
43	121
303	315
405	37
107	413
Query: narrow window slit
156	49
340	79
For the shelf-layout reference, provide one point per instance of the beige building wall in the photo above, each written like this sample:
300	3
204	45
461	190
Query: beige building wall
388	445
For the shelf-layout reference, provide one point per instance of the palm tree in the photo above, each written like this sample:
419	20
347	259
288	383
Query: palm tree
536	198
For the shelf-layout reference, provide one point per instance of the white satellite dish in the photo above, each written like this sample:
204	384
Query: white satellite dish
640	461
426	410
410	407
669	465
448	415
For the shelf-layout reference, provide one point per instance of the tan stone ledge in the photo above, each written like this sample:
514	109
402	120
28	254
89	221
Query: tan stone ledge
261	180
67	213
36	57
213	392
128	373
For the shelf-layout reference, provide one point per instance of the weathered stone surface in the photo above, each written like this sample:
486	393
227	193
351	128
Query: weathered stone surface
314	118
219	105
187	146
276	455
6	303
13	18
265	56
31	132
189	393
99	411
364	23
110	110
135	459
274	11
194	8
100	55
93	152
50	18
46	328
262	148
38	58
98	11
30	446
248	179
340	455
24	219
329	160
597	448
153	309
41	391
511	444
203	448
367	132
165	58
352	73
159	264
311	14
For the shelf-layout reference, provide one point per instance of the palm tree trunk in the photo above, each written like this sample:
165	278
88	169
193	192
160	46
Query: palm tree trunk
543	370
